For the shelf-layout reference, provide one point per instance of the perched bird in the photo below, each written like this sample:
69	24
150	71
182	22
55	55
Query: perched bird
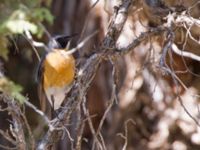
56	74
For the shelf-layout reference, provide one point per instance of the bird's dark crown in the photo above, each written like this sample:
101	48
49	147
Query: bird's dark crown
60	41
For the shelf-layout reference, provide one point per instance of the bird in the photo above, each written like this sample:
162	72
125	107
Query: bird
56	73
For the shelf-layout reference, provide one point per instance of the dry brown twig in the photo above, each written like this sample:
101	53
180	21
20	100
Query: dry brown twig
16	126
80	128
178	82
111	102
87	20
34	44
86	75
186	21
7	137
86	112
87	72
125	136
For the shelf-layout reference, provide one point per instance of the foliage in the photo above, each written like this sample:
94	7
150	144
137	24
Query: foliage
10	88
19	16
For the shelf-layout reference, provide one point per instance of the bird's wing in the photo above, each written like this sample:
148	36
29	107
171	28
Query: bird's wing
44	104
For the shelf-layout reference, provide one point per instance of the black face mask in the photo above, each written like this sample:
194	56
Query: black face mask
60	41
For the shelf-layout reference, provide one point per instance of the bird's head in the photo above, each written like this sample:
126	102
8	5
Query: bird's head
60	41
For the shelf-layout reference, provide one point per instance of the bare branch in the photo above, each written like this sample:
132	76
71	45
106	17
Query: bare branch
86	112
8	148
111	102
142	37
46	119
87	19
16	127
125	137
81	44
116	25
34	44
184	53
86	74
7	137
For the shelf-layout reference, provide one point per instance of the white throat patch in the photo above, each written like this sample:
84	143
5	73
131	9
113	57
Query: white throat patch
56	95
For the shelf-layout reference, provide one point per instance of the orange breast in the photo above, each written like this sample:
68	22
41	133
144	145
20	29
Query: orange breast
59	69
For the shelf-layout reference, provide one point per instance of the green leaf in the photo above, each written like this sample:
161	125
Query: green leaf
9	87
18	26
42	14
18	22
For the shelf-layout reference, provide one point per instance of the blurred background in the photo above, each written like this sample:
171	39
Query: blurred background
147	113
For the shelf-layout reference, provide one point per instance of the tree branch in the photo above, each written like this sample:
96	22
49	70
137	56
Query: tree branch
85	76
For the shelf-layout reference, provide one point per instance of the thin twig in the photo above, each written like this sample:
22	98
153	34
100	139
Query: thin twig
38	111
166	47
185	53
80	134
8	148
32	140
34	43
81	44
86	112
142	37
7	137
87	18
111	102
125	137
